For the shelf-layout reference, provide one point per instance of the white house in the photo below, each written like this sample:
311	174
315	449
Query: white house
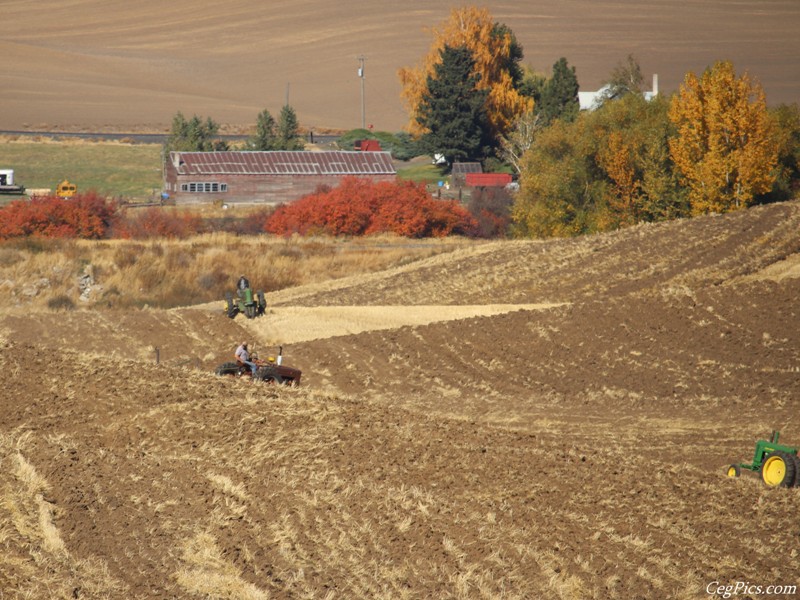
594	100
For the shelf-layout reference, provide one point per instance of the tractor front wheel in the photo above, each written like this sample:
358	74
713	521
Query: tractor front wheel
269	374
230	308
734	471
231	369
778	469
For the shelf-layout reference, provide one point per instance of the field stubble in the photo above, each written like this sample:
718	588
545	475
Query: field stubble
170	273
569	451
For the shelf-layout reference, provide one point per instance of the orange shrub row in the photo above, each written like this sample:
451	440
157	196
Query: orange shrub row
356	207
91	216
363	207
87	216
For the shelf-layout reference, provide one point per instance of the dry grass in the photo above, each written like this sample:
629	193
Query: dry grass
183	272
209	575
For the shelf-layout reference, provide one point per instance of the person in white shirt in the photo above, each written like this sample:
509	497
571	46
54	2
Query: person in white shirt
243	356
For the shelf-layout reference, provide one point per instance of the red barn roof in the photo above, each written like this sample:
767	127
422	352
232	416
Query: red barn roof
488	179
283	163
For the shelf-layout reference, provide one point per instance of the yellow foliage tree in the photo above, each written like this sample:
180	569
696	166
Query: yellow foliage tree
617	160
725	148
493	47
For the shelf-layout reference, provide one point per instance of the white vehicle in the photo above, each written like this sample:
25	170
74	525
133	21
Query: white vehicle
7	183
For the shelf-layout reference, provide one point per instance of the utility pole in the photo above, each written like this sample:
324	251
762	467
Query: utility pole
361	60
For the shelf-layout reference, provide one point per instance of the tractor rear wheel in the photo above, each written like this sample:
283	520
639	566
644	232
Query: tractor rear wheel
796	459
734	471
779	469
262	303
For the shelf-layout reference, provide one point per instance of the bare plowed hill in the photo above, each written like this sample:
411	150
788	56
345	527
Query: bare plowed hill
526	420
112	65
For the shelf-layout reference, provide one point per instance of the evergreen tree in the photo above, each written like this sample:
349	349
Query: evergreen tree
511	61
194	135
265	137
288	131
559	95
452	108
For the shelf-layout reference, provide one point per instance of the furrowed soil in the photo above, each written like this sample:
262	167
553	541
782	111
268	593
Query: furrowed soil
517	419
96	65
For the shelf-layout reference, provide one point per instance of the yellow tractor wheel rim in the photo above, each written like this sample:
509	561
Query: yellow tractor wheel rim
731	471
774	471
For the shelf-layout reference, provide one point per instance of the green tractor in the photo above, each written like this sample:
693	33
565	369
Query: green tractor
250	305
778	464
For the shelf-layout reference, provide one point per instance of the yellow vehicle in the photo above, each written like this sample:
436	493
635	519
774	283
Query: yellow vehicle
65	189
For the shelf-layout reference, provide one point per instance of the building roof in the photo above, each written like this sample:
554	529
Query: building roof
283	163
461	168
594	100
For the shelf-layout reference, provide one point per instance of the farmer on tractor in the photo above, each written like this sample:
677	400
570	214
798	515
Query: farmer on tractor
243	356
242	285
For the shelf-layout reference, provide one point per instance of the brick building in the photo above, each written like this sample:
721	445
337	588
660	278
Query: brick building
268	177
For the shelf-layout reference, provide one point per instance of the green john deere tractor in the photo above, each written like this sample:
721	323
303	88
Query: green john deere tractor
778	464
250	305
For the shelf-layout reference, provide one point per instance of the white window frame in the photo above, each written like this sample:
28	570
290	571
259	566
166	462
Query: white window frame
204	187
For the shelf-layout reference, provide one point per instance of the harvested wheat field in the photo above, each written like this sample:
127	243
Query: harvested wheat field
92	65
539	419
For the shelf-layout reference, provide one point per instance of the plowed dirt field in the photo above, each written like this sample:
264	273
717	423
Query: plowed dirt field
545	419
100	65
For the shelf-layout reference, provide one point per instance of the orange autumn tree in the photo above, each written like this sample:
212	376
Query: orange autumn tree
725	145
496	54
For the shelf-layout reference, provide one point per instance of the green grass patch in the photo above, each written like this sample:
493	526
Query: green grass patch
129	171
422	172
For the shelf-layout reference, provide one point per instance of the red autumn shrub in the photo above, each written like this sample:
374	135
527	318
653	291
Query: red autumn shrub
491	208
87	216
155	222
363	207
